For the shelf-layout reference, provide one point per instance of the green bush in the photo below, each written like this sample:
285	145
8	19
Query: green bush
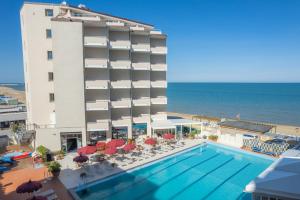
54	166
213	137
42	151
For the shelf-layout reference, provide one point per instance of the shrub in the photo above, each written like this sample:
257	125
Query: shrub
54	166
213	137
42	151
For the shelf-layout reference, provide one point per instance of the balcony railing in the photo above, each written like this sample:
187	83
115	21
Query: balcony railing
123	121
97	105
122	64
158	84
159	116
115	23
120	44
121	84
95	63
159	100
159	67
140	47
141	66
85	17
159	50
142	118
141	84
95	41
100	125
96	84
123	103
141	102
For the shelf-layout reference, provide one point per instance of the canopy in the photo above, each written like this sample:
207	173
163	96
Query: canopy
110	151
101	144
162	124
129	147
87	150
29	187
168	136
150	141
116	143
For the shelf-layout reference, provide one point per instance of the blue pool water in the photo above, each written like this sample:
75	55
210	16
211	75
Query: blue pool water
210	172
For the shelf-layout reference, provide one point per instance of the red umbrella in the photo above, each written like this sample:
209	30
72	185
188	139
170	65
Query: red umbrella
81	159
168	136
150	141
38	198
116	143
101	145
129	147
110	151
29	187
87	150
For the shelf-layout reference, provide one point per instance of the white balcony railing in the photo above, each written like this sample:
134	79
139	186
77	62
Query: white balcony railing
159	84
141	84
142	118
120	84
141	102
159	100
115	23
141	66
123	121
97	105
122	64
120	44
100	125
140	47
159	116
85	17
96	84
95	41
159	67
123	103
159	50
95	63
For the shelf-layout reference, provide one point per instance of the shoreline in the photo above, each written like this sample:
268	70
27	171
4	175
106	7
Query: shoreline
7	91
280	128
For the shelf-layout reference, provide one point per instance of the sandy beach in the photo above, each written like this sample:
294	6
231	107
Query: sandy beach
280	128
20	95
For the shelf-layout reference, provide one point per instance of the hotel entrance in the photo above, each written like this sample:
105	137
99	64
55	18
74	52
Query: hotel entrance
70	141
120	132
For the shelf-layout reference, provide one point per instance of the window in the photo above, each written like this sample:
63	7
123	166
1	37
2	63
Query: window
50	76
51	97
48	12
48	33
49	55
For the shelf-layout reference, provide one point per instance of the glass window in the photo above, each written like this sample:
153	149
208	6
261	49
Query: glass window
49	55
48	12
50	76
119	133
48	33
96	136
51	97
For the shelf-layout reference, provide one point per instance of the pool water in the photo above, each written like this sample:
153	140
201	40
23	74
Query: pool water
210	172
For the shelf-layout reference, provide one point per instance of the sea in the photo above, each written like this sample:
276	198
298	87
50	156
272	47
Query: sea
277	103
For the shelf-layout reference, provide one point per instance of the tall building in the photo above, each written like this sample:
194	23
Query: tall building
90	76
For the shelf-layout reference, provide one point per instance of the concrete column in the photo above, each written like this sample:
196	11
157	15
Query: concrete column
149	129
129	129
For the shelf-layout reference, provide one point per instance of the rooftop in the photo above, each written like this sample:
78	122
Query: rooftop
244	125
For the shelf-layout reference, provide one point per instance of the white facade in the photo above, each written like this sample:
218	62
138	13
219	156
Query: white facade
90	74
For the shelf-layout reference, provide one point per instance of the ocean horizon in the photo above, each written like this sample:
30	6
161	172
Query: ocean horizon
277	103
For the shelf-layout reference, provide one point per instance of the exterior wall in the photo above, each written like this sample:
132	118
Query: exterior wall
48	137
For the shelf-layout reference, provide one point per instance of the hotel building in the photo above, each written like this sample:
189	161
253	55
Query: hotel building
90	76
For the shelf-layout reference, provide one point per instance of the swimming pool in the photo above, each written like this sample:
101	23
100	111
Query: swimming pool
211	172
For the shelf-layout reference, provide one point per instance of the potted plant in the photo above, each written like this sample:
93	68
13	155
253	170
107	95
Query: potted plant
42	151
54	167
213	137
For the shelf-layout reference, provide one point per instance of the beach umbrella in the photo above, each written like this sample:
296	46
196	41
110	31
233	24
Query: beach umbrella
110	151
81	158
87	150
38	198
150	141
101	145
29	187
116	143
168	136
129	147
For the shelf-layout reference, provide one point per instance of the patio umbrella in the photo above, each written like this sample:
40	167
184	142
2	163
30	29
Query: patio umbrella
110	151
81	158
87	150
128	147
168	136
101	145
38	198
29	187
116	143
150	141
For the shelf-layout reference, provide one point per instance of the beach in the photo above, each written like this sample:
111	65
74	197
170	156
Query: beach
7	91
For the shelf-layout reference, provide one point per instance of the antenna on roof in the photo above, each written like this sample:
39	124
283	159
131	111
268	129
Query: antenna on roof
64	3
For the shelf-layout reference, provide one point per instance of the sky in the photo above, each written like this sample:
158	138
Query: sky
208	40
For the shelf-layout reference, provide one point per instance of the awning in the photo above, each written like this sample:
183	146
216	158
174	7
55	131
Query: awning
162	124
184	122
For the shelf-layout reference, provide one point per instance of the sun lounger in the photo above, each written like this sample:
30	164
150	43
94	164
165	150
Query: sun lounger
50	194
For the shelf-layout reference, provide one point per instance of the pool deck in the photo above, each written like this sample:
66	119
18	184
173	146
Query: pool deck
70	174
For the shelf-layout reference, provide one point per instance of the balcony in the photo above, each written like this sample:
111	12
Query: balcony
140	47
96	105
141	102
141	66
95	41
159	116
159	50
115	23
123	103
95	63
96	84
142	118
120	84
159	67
84	17
120	44
100	125
122	64
159	100
123	121
159	84
141	84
